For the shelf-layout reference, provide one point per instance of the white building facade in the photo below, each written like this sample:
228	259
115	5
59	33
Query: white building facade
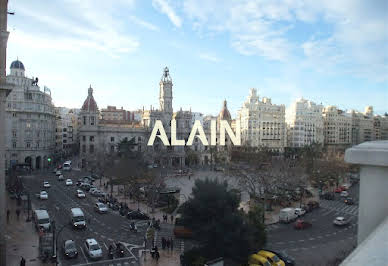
337	127
262	123
30	121
304	123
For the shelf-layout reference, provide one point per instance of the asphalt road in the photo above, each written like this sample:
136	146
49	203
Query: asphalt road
323	241
105	228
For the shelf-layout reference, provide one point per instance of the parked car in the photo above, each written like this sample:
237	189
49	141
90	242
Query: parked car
288	260
100	207
341	221
300	212
302	224
137	215
328	196
92	249
344	193
43	195
46	184
61	178
69	182
69	249
80	194
349	201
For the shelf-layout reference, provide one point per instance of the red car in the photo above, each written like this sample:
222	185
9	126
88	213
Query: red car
343	188
338	190
302	224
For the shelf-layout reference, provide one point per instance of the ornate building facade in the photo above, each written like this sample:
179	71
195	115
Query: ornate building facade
30	121
304	123
262	123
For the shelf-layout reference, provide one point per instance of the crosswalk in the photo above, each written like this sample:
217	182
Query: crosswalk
338	207
166	231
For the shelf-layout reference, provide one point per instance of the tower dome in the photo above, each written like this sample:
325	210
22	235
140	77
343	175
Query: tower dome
224	114
90	104
17	65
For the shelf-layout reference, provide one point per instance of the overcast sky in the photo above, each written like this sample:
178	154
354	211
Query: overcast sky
332	52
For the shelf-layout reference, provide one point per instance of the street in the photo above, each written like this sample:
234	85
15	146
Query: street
105	228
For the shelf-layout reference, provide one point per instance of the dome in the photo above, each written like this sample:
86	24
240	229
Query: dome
17	64
90	104
224	114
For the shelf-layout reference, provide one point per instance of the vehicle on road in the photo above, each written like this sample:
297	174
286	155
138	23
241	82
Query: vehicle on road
46	184
80	194
69	182
55	170
287	215
302	224
61	178
58	173
85	186
42	220
43	195
92	249
300	212
328	196
344	193
69	249
100	207
92	190
256	259
287	259
271	257
137	215
349	201
341	221
77	218
338	190
67	166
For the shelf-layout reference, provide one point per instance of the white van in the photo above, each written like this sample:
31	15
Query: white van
67	166
42	220
287	215
77	218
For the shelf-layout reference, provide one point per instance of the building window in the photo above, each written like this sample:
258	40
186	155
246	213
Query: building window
83	138
14	133
92	120
84	120
64	141
14	144
139	139
28	125
14	114
91	148
112	148
91	138
112	139
28	145
83	148
65	130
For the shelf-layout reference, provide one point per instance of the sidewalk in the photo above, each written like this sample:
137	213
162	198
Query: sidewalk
22	239
167	258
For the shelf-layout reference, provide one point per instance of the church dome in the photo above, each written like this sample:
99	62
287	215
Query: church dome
225	114
90	104
17	64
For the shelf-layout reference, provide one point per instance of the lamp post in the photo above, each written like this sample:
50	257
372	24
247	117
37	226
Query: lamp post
28	207
55	241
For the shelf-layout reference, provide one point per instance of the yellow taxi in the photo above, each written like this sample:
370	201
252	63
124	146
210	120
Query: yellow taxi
256	259
271	257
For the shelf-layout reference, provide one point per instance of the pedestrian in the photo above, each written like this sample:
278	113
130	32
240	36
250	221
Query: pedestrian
163	243
22	262
17	213
157	255
171	243
172	218
168	243
8	214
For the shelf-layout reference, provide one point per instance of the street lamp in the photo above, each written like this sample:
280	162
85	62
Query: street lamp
28	207
55	241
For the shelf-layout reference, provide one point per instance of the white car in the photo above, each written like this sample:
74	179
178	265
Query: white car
93	249
300	212
69	182
100	207
43	195
341	221
61	178
80	194
91	190
46	184
344	194
58	173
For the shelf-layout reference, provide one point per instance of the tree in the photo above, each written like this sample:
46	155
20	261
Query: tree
221	229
